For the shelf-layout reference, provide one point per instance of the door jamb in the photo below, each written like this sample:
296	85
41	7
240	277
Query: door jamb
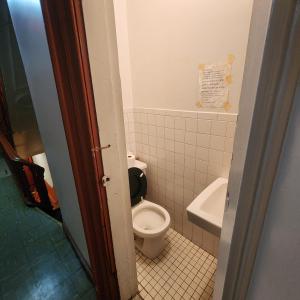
66	36
274	100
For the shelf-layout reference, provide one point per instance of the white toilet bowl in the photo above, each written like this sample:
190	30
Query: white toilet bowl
150	224
150	221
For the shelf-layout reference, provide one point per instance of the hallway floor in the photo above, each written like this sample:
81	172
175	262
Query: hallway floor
181	271
36	260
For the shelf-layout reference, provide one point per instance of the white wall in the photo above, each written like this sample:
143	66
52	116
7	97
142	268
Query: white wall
277	266
169	39
102	46
36	58
120	10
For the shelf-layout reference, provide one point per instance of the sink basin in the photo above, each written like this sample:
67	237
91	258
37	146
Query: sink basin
207	210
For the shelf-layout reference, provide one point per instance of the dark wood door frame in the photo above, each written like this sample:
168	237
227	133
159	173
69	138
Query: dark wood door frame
68	49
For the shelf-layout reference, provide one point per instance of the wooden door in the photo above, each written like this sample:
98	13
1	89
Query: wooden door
68	49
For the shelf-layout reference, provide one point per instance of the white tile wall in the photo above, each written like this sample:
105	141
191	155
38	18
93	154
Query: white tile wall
184	151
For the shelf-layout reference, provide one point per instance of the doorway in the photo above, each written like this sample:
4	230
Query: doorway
79	194
34	243
184	138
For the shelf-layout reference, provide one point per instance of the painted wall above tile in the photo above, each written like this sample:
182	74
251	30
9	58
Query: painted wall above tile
162	43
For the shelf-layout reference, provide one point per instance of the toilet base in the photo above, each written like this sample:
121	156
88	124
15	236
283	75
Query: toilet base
150	247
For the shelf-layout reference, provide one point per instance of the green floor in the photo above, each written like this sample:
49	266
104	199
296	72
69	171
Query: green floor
36	259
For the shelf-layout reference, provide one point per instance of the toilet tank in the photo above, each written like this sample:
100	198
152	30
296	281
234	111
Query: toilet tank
139	164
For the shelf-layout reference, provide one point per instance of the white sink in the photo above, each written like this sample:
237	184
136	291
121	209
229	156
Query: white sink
207	210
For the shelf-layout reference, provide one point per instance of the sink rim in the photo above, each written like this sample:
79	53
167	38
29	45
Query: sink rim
201	218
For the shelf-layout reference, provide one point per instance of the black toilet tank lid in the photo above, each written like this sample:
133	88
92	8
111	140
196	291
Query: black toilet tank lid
137	183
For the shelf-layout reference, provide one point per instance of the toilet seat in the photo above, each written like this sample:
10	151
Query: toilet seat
149	219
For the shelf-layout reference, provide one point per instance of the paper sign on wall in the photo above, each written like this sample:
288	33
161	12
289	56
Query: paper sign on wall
214	81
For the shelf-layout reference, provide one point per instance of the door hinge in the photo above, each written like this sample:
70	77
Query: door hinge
105	180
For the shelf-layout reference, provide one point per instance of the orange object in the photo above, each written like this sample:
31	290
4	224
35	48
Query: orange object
52	196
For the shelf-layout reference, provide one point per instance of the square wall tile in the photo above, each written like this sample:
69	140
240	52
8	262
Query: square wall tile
170	156
190	138
215	169
187	228
160	143
179	147
144	118
190	150
169	122
145	139
190	162
201	166
200	178
160	132
230	131
204	126
179	123
160	121
178	179
208	242
179	158
151	119
189	174
198	188
188	182
188	200
178	195
202	153
191	124
203	140
170	167
179	169
169	145
152	130
217	142
227	159
179	135
169	133
197	235
218	128
229	145
152	141
215	156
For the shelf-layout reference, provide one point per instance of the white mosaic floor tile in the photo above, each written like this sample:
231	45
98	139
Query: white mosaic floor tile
181	271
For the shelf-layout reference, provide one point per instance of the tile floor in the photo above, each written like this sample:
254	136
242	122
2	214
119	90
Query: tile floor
181	271
36	260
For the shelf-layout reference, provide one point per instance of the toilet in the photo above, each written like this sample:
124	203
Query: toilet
150	221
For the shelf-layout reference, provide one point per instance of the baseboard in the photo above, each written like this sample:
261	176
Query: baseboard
81	258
